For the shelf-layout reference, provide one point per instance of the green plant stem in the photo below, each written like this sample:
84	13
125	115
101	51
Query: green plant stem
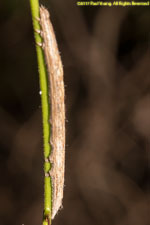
45	111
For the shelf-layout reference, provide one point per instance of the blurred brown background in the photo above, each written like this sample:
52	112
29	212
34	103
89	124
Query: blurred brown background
106	57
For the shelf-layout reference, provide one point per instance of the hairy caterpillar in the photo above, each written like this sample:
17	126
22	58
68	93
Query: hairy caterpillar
57	108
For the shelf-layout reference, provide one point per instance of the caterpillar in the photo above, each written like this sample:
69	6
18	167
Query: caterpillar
57	107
